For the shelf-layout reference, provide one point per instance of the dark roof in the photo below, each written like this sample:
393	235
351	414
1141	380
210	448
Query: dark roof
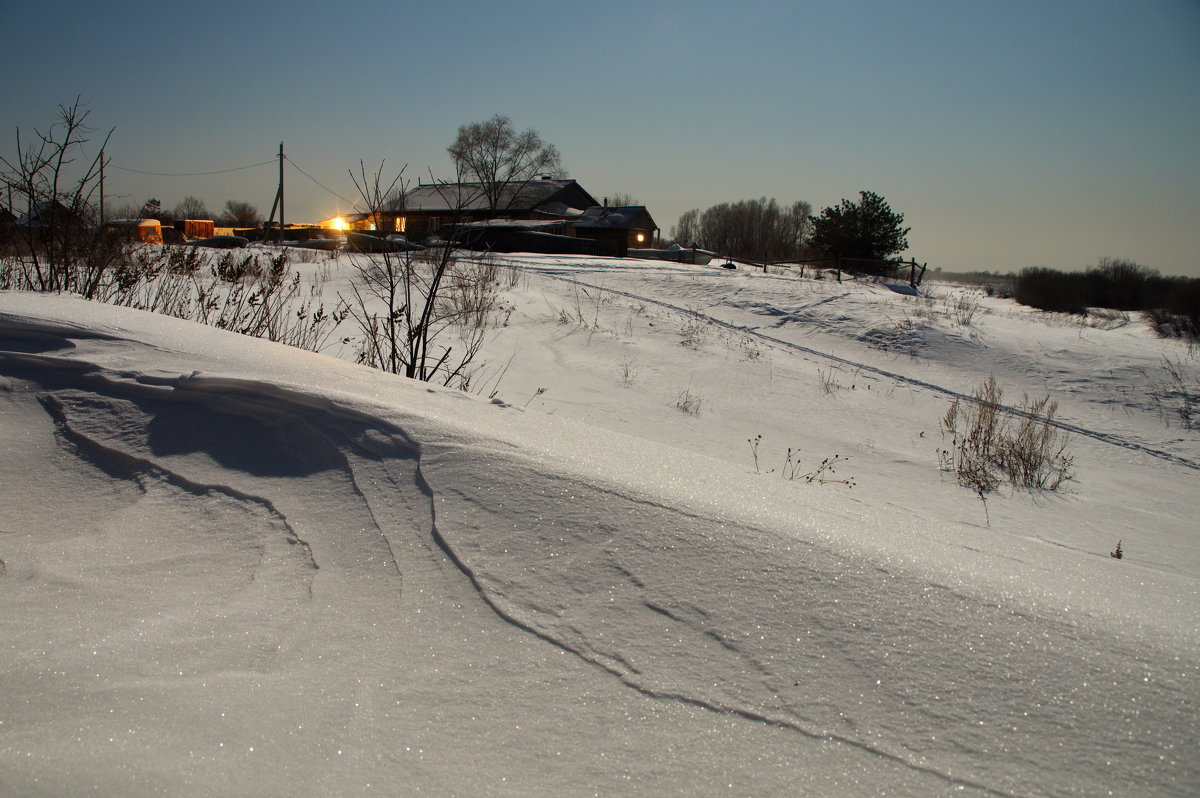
514	224
44	214
616	218
522	197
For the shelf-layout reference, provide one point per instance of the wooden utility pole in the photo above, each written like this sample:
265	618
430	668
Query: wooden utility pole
281	192
278	203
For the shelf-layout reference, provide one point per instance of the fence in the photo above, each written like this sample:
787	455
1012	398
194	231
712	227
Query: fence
894	269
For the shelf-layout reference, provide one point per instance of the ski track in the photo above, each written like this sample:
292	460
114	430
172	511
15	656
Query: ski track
1109	438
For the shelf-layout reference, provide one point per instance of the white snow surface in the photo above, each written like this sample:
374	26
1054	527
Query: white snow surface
231	567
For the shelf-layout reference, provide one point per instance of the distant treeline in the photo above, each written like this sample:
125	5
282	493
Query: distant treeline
757	230
1171	303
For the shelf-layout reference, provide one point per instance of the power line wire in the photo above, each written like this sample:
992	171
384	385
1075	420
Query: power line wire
194	174
292	161
289	159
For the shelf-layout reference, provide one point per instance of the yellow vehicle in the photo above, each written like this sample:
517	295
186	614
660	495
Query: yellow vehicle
146	231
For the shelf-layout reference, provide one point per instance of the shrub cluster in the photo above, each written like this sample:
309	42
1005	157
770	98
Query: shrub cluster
247	294
1172	304
991	444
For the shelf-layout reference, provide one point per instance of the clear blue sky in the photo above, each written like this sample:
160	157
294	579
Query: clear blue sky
1010	134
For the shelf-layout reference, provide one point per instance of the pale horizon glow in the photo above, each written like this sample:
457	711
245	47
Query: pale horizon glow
1009	135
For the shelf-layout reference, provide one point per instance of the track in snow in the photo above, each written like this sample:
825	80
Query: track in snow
1103	437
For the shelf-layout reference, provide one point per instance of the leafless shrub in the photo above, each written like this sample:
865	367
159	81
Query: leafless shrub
746	346
963	308
828	378
322	256
1172	324
1175	388
423	314
688	402
62	244
754	442
236	267
823	474
535	395
991	443
1105	319
584	311
628	371
269	305
514	276
246	294
924	307
693	330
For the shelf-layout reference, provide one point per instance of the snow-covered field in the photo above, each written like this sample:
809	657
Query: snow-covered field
232	567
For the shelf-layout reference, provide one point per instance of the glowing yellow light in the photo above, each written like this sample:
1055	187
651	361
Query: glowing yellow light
338	223
641	237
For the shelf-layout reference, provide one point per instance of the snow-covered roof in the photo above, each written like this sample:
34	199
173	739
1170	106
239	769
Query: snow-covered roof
137	222
522	224
613	217
48	208
559	209
519	196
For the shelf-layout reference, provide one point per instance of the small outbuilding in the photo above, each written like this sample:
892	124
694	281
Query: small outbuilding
630	226
196	228
145	231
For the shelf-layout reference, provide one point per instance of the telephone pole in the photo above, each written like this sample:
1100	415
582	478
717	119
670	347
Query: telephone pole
281	192
278	203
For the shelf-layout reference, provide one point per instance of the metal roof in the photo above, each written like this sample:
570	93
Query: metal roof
518	196
613	217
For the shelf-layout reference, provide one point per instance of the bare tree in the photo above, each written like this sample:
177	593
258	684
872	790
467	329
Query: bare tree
423	314
124	211
153	209
501	159
760	229
687	229
60	225
240	214
191	208
620	200
395	201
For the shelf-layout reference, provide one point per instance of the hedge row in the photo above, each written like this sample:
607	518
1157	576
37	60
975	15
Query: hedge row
1172	303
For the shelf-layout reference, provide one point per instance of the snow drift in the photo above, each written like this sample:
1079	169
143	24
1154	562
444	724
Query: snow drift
234	567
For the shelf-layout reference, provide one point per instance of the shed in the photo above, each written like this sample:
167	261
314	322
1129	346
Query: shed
630	225
196	228
146	231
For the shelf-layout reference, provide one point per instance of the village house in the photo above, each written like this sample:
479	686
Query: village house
428	207
540	215
628	227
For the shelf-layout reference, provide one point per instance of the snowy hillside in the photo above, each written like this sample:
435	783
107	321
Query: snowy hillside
234	567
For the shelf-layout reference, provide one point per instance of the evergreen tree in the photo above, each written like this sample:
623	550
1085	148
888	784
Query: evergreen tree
868	229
